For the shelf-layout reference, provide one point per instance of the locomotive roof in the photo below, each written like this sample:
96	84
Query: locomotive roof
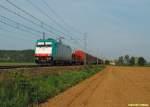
51	40
47	40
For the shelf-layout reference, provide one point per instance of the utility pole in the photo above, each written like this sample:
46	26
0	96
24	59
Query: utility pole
85	46
97	56
43	35
97	61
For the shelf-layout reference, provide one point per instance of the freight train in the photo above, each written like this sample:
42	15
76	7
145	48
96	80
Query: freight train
52	52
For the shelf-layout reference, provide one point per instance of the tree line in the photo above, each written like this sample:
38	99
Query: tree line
131	61
16	55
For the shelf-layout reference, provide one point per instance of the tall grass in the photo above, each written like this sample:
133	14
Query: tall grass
20	91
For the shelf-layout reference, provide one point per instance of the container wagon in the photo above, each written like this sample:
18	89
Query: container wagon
78	57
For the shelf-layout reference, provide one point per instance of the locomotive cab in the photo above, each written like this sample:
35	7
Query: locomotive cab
43	52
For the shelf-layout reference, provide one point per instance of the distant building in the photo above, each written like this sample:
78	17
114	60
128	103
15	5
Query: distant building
113	63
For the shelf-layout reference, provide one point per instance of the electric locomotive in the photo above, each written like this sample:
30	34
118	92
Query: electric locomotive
50	51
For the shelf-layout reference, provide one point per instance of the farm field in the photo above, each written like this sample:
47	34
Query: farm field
114	87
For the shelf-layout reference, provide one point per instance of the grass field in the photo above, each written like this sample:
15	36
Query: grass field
20	91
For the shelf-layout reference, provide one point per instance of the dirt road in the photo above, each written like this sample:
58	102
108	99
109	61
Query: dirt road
115	87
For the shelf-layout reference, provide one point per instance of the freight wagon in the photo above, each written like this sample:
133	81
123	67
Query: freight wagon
78	57
50	51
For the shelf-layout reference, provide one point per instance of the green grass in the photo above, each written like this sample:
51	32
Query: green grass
20	91
15	63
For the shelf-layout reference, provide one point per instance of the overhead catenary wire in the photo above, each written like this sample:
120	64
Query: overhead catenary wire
22	37
10	37
13	36
30	15
49	17
20	25
44	13
14	26
27	13
57	15
27	19
39	9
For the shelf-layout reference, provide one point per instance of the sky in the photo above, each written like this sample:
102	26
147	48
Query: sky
113	27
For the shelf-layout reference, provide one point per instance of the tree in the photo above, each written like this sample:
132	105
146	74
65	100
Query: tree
132	61
107	62
16	56
120	60
141	61
126	59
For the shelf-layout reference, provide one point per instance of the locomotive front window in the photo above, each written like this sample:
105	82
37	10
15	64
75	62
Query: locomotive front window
43	44
47	45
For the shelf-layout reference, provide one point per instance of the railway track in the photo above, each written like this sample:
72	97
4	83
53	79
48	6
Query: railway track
28	66
19	66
